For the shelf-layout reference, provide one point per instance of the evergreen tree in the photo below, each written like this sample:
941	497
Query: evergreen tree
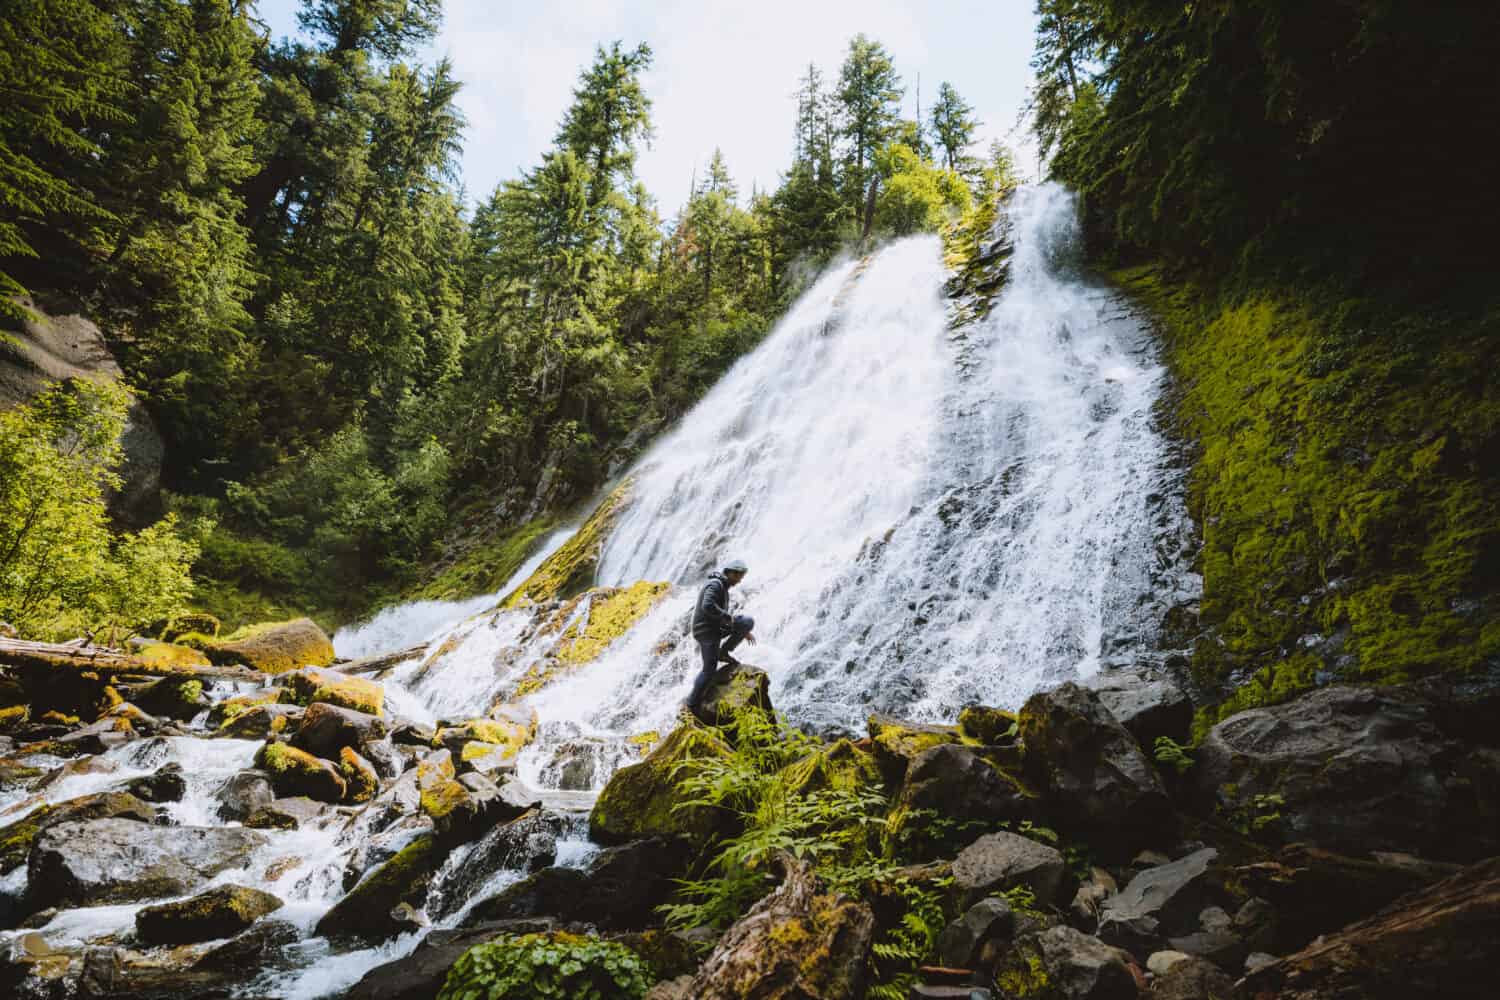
869	98
62	83
954	124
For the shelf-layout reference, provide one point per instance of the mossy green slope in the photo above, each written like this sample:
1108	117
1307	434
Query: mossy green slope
1345	484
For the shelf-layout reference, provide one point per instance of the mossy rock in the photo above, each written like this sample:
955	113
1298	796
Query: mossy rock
587	625
274	647
17	838
896	742
507	735
361	781
640	800
261	721
14	716
231	708
313	684
180	698
220	912
841	766
365	913
734	691
987	726
570	570
297	772
169	656
439	792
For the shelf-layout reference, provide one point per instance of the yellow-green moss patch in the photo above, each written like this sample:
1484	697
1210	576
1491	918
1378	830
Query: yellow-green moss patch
571	568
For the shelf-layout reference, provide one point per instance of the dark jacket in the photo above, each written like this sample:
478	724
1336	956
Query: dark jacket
711	617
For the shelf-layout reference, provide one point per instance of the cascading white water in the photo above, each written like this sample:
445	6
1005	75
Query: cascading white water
931	518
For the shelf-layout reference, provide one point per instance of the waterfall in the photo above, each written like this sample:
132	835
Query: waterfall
932	517
934	513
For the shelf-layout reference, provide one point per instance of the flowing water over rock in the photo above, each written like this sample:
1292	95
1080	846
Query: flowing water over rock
932	517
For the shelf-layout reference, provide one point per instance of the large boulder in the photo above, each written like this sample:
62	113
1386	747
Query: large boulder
735	690
1148	705
1000	861
1061	963
527	843
274	647
1354	770
1437	943
1161	902
620	889
311	685
220	912
963	788
261	721
123	861
242	794
296	772
1092	774
795	944
897	743
366	912
326	729
640	800
989	919
165	784
16	839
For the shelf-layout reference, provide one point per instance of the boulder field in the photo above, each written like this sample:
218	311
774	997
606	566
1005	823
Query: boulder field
1342	844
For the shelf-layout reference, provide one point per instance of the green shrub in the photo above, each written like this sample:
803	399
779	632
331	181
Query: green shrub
547	967
62	569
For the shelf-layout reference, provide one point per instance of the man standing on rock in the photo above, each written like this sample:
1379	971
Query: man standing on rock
712	623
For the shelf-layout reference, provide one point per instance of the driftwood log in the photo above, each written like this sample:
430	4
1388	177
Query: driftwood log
29	658
380	661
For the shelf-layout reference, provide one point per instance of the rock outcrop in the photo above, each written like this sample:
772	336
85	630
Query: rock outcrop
220	912
640	801
1355	770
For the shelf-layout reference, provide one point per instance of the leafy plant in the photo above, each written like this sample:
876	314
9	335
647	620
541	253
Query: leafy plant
547	967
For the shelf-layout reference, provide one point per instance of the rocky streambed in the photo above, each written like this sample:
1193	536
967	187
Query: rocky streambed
214	830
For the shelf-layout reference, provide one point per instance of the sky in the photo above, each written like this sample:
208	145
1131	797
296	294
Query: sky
724	74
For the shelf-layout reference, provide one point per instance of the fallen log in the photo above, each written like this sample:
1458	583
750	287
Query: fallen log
380	661
29	657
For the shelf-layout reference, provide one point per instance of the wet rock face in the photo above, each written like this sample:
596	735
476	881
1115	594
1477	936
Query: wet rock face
242	794
955	781
366	913
296	772
1354	769
310	685
1147	706
1000	861
620	889
218	913
1092	774
528	843
166	785
17	839
122	861
796	943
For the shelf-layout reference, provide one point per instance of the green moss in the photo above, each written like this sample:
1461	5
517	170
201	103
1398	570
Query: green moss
13	716
570	569
361	782
1024	977
172	656
978	724
482	561
334	688
474	750
297	772
642	800
365	913
230	709
274	647
588	624
1344	484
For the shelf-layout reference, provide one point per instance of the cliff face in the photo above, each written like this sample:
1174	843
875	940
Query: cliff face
1344	480
55	345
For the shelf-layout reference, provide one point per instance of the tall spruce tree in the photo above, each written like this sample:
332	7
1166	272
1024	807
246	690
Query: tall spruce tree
869	106
953	124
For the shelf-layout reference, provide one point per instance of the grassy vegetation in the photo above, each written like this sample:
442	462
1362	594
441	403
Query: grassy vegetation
1345	482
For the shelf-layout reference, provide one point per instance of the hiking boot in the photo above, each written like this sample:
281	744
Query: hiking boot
728	660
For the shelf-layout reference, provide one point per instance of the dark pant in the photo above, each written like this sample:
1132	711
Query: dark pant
711	650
